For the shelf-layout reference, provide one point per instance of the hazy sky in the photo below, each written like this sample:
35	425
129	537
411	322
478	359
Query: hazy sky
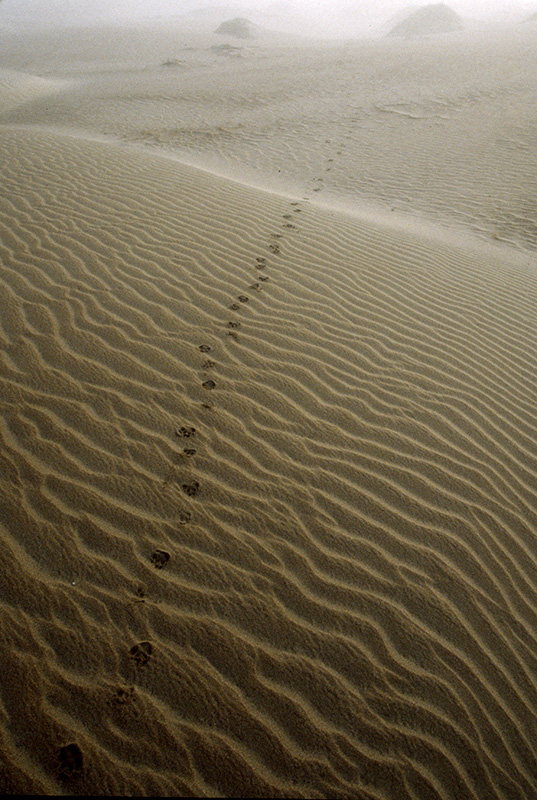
310	15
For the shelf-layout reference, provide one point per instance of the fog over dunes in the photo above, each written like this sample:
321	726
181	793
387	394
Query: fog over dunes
268	358
430	19
340	18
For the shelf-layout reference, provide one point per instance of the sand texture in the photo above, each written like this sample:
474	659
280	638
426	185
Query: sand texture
268	467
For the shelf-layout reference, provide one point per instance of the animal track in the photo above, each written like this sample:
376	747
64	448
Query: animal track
185	432
70	762
123	695
141	653
209	385
160	558
205	348
208	365
140	593
191	488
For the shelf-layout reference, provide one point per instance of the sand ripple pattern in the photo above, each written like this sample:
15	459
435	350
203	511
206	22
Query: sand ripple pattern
444	128
268	493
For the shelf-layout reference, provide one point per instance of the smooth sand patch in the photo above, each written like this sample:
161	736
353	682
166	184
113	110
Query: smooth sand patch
18	88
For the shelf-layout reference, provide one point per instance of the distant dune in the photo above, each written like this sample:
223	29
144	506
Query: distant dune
436	18
399	16
239	27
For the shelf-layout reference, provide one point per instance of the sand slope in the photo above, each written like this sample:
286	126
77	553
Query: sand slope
339	461
440	127
18	89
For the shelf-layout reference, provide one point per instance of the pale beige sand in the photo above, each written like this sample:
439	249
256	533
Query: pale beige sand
17	89
443	127
349	604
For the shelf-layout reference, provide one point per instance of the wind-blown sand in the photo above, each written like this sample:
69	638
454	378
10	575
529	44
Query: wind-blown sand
268	472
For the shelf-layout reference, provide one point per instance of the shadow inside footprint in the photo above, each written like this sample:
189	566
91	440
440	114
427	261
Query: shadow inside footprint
141	653
160	558
70	762
191	488
243	298
209	385
205	348
184	517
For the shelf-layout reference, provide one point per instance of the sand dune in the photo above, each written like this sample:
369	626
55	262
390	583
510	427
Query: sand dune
348	507
268	481
442	130
18	88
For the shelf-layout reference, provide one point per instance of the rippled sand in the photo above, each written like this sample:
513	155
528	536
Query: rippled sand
268	455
